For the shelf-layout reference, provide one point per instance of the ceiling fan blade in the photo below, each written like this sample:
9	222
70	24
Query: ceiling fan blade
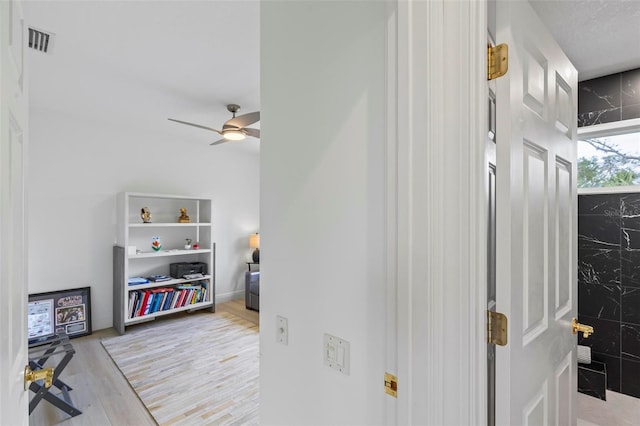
195	125
218	142
252	132
244	120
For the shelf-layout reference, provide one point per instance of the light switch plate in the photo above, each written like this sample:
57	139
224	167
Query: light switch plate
337	353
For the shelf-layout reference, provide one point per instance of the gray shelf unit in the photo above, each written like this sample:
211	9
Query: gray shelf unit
131	232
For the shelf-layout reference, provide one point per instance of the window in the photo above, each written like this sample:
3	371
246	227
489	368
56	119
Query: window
609	160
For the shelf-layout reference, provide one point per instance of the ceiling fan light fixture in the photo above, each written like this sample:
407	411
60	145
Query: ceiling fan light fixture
234	129
233	135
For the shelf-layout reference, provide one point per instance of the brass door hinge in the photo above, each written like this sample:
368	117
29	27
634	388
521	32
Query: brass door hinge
497	330
391	384
497	61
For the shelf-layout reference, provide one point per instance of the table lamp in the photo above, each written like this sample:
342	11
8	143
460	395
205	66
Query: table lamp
254	243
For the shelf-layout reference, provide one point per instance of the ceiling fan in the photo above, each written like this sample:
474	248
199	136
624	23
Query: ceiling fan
233	129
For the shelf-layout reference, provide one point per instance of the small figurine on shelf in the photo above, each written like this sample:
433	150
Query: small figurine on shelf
187	245
156	245
184	217
145	214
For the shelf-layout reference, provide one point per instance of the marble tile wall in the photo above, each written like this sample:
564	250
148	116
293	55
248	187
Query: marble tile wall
609	284
592	379
610	98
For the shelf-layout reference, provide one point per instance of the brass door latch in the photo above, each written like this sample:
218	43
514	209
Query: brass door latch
30	376
391	384
576	327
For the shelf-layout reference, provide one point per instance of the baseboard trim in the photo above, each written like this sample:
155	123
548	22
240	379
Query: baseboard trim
227	297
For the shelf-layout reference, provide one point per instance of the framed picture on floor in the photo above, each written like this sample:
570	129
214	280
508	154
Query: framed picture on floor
55	312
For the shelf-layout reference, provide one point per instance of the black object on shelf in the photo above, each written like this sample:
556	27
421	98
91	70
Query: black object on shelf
256	255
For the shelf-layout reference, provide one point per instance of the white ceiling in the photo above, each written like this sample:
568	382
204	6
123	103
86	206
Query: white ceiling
600	37
141	62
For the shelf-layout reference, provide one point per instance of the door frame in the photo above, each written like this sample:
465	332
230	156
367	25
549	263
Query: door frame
438	218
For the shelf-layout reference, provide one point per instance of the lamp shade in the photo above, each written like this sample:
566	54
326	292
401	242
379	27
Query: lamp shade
254	241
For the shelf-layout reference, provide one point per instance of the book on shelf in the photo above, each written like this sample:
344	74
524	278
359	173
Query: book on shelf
136	304
156	299
183	300
166	303
154	302
139	301
137	280
133	296
162	296
174	299
180	299
158	278
147	308
145	303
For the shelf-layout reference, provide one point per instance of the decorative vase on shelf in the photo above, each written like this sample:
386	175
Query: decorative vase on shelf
156	244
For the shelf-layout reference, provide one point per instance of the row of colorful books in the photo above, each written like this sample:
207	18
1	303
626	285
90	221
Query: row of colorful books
151	300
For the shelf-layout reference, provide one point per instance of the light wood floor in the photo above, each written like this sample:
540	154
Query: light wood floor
100	391
105	398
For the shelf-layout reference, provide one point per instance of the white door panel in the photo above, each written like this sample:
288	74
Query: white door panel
535	223
563	277
13	253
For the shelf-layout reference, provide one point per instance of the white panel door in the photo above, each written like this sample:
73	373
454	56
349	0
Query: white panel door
13	276
536	223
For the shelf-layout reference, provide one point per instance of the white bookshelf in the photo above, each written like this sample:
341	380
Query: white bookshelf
133	255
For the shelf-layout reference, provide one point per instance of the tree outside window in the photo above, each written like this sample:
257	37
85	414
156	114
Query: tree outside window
609	161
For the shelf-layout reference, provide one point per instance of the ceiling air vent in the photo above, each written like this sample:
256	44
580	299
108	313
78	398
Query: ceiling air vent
40	40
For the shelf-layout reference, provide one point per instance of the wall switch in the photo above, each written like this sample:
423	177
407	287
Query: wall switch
282	330
336	353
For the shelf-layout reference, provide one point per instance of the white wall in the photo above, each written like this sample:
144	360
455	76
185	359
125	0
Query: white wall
322	209
77	165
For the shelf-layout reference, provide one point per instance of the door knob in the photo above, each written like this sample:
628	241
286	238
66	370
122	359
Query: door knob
576	327
45	374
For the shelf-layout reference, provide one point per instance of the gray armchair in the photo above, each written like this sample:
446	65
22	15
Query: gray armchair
252	290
